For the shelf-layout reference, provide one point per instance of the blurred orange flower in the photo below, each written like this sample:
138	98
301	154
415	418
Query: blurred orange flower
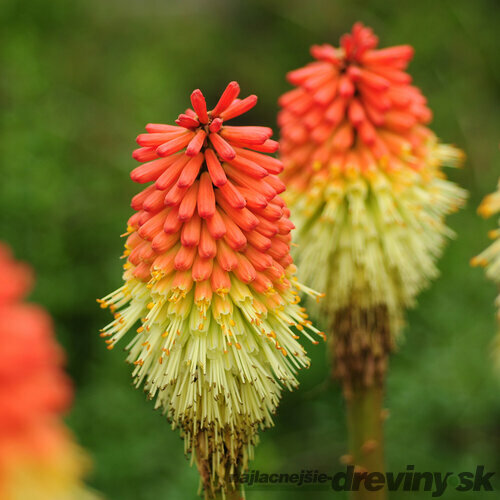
38	459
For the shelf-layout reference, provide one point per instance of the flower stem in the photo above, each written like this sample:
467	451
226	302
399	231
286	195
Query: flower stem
360	344
366	445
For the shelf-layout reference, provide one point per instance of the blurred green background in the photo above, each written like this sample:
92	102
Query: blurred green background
79	80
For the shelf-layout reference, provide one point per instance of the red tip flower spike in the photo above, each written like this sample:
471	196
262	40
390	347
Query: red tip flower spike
210	276
38	459
367	191
354	107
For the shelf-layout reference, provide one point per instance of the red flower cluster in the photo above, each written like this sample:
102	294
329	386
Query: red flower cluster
33	387
214	206
353	108
32	384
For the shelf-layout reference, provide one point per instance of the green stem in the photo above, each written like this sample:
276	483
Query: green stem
366	442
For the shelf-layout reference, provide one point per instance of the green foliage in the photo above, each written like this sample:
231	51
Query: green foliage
78	82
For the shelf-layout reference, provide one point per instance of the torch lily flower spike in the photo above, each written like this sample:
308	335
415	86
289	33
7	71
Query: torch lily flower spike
368	195
490	257
38	457
364	177
211	280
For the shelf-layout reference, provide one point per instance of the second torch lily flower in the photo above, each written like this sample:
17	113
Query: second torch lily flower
366	185
369	197
210	277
